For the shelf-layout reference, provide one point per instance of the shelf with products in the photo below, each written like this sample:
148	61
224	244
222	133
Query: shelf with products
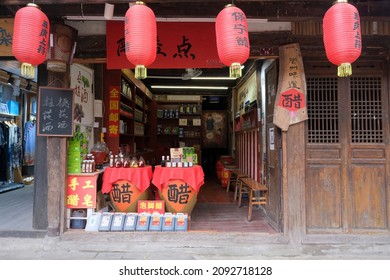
136	115
178	125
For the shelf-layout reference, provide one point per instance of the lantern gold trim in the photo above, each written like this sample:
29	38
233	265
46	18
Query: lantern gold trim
235	70
344	70
140	72
27	70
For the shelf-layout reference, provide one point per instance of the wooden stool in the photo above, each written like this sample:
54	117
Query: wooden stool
257	194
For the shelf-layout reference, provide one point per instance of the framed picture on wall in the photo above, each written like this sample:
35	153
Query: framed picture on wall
214	129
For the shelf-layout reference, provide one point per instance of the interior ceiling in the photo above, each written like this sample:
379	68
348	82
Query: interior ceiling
271	10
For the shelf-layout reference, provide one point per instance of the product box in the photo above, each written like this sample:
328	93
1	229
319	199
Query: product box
181	222
187	151
105	222
183	122
4	108
155	222
130	221
191	158
196	122
118	221
176	154
143	222
93	221
168	222
13	107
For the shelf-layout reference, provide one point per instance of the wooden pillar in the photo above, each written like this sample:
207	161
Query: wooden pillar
294	182
40	185
51	169
57	168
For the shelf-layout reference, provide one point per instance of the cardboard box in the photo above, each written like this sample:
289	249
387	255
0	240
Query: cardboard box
176	154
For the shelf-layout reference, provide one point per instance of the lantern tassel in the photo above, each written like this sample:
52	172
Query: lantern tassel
235	70
27	70
344	70
140	72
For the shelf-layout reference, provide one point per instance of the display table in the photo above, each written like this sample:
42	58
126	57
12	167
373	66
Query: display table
178	186
126	186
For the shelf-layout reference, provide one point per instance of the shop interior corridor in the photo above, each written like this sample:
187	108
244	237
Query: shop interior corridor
215	211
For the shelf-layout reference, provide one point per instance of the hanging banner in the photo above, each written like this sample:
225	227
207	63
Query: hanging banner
290	103
179	45
81	79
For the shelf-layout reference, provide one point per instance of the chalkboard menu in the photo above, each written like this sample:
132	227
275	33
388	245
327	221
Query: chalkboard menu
55	112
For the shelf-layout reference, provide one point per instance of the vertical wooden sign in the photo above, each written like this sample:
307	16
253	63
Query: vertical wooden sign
290	103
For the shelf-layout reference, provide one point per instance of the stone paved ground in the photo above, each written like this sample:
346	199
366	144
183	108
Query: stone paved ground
82	245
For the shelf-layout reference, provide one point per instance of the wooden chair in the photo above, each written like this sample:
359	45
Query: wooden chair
238	176
232	169
255	190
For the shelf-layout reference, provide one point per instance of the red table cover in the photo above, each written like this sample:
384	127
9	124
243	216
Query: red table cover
139	176
193	176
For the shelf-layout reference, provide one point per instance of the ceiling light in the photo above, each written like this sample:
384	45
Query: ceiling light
189	87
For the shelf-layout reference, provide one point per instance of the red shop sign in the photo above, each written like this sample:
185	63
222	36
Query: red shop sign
179	45
81	192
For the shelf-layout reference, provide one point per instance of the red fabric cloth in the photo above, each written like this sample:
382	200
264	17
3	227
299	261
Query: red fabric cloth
139	176
193	176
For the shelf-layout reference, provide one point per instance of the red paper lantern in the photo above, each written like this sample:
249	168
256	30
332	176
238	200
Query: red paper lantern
140	37
232	38
30	38
342	36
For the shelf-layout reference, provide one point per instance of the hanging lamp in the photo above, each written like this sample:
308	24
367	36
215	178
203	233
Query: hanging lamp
342	36
233	47
30	38
140	37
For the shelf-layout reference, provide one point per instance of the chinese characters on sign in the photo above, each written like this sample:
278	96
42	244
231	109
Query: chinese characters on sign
81	192
151	206
184	45
6	29
178	193
113	112
55	112
5	38
290	102
122	193
82	82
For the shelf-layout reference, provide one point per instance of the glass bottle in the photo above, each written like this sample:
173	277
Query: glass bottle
163	161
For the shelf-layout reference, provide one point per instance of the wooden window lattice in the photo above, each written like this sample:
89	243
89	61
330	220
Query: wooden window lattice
323	110
366	110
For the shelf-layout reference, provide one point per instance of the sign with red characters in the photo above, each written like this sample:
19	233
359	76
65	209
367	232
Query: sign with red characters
81	192
113	112
151	206
179	45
